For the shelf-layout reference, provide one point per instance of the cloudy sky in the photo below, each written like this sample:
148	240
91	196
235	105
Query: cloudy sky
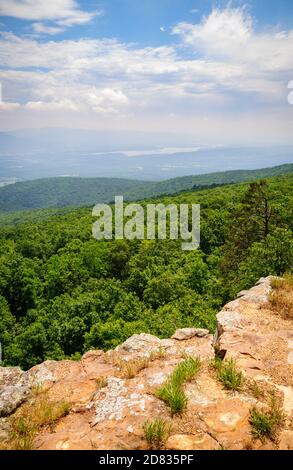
217	71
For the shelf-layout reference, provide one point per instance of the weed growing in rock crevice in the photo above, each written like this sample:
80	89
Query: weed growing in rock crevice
156	432
228	375
102	382
281	298
172	392
265	423
31	417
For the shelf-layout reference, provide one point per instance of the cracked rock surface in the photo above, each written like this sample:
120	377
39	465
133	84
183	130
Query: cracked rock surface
111	415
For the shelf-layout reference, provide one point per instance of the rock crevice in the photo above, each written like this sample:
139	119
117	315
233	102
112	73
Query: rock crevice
109	403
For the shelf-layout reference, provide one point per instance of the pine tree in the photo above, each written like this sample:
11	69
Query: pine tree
250	223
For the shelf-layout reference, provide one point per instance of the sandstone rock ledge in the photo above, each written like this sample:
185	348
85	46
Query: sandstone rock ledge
112	417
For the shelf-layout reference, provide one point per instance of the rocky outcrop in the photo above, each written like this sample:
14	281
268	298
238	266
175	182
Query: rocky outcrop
14	389
260	341
112	394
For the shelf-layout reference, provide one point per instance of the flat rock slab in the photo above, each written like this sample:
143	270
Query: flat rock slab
187	333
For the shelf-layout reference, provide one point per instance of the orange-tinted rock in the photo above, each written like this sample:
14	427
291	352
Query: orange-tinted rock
227	420
192	442
286	440
111	413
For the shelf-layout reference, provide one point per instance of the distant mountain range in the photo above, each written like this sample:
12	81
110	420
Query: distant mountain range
68	191
41	153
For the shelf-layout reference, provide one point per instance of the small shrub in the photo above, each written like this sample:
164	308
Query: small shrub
265	423
156	432
229	376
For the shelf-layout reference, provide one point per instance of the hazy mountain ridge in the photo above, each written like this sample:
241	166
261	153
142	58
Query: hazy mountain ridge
67	191
41	153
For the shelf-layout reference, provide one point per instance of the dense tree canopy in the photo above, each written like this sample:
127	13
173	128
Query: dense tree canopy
62	292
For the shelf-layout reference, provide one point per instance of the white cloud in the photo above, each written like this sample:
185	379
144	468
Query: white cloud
229	35
218	31
61	105
44	10
42	28
227	66
17	52
62	91
61	13
162	29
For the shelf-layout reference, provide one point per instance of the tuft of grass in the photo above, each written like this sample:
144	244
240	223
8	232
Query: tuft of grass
173	396
277	282
186	370
23	432
38	390
256	390
156	432
26	424
216	363
172	392
160	353
131	368
102	382
281	298
46	413
266	423
228	375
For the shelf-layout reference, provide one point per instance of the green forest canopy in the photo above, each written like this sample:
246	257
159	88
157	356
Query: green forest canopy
62	292
67	191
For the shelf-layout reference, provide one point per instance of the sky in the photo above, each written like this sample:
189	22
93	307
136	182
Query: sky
212	72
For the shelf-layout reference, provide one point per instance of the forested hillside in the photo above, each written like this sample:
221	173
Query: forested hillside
62	292
67	191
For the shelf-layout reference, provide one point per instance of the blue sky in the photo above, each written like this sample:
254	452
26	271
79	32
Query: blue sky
140	21
217	69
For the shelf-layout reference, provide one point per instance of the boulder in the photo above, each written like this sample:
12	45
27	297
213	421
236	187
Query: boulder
14	389
11	397
142	343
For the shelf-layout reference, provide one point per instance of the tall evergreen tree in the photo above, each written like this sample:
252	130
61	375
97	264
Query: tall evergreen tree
250	223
